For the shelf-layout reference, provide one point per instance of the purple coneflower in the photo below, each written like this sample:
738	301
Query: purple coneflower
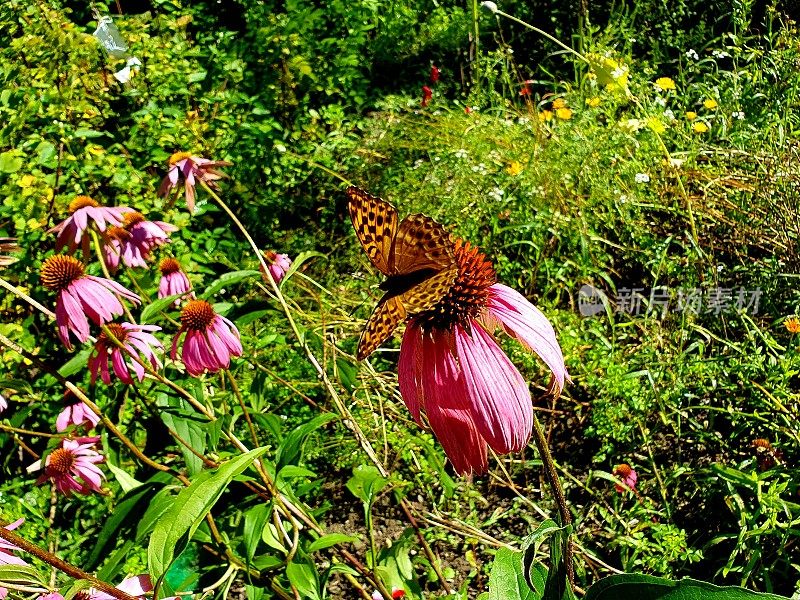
193	169
211	339
3	403
628	477
81	296
76	413
74	459
85	211
136	342
173	279
278	265
6	548
132	242
136	586
53	596
451	366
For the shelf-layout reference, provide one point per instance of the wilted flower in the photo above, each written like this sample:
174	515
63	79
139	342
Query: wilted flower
664	84
792	324
435	73
6	548
173	279
710	103
73	460
132	242
451	367
427	94
193	169
81	296
628	477
278	265
8	245
75	413
490	6
85	211
211	339
136	341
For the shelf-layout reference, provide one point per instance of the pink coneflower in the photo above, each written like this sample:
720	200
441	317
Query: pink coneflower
435	73
81	296
136	342
427	94
136	586
451	366
74	459
193	169
173	279
211	339
54	596
132	242
628	477
85	211
3	403
6	548
75	413
278	264
396	594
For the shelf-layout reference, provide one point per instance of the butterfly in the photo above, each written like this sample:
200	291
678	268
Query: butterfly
417	256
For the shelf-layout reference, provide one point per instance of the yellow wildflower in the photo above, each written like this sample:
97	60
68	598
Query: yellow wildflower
699	127
665	84
710	103
792	324
565	114
593	102
514	168
559	103
545	115
26	181
691	115
655	124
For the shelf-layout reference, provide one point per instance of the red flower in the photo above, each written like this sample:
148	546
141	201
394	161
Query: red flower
427	94
435	72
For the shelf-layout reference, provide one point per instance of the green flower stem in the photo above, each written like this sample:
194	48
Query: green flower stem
545	34
101	260
245	412
65	567
552	478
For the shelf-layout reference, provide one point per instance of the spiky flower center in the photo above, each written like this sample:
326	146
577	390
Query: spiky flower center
178	157
82	595
270	256
197	315
623	471
82	202
469	294
129	219
59	271
762	443
118	331
117	233
61	461
167	266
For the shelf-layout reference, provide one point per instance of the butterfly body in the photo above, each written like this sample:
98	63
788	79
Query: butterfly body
417	256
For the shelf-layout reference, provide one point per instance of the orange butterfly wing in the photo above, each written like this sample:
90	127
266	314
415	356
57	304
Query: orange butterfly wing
375	222
421	243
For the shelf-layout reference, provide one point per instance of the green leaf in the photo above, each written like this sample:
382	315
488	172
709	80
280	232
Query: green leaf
90	133
126	481
331	539
298	262
180	419
174	530
291	447
46	154
196	76
506	579
348	374
10	162
156	307
304	577
254	521
21	575
646	587
75	364
530	547
366	483
228	279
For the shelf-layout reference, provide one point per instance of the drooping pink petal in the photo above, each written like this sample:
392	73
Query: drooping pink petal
408	366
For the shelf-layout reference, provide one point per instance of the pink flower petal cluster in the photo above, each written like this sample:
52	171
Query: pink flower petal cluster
137	586
278	265
85	213
627	476
3	403
132	242
137	342
173	279
81	297
211	339
75	413
451	367
73	460
182	165
6	548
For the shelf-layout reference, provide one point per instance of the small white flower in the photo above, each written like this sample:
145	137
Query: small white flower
523	120
661	101
692	55
619	72
720	54
669	114
739	114
3	403
496	194
437	158
508	122
418	163
460	153
490	6
642	178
